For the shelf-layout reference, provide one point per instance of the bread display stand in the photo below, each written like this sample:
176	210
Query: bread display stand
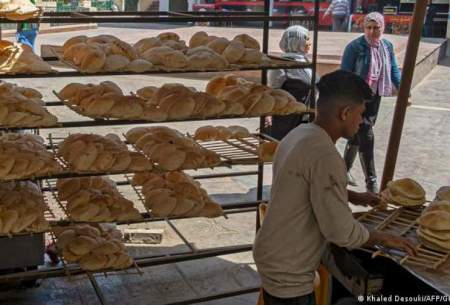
429	267
232	152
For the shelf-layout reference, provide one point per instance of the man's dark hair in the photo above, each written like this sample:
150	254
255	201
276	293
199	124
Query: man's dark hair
342	87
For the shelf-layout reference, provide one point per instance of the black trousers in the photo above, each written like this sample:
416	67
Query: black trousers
302	300
365	137
365	140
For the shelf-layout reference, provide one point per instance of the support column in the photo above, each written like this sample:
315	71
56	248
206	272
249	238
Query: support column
403	94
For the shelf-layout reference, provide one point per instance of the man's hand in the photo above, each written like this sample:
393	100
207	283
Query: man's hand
397	242
364	199
391	241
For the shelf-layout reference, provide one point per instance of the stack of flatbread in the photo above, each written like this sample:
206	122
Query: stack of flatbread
169	102
17	58
443	193
105	100
23	107
93	248
163	52
176	194
205	51
434	226
95	199
404	192
24	156
95	153
221	133
176	101
18	9
22	208
102	53
248	98
171	149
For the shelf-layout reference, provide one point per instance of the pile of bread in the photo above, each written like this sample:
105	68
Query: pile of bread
203	53
434	226
22	208
165	51
95	199
18	58
207	51
248	98
23	107
225	96
221	133
25	155
105	100
443	193
175	102
18	9
93	248
102	53
175	194
170	149
169	102
96	153
404	192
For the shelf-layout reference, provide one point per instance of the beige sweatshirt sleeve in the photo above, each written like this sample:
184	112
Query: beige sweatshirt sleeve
329	201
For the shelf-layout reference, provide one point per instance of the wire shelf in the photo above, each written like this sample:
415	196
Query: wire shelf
108	121
158	17
403	222
67	266
232	152
58	215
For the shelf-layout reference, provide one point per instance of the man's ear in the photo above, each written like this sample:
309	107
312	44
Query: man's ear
344	113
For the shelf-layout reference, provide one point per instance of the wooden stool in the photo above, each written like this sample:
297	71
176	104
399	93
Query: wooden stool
321	282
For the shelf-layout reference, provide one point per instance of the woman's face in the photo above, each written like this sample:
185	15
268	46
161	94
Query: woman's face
307	45
372	30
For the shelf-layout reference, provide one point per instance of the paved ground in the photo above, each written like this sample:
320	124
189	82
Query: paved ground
423	156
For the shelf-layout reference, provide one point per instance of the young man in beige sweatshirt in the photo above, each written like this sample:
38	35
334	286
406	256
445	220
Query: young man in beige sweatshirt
309	200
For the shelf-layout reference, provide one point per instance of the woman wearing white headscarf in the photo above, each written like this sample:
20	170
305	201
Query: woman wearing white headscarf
295	44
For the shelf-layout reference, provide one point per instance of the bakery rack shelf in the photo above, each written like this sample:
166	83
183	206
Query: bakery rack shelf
233	153
116	122
157	17
58	207
74	73
145	261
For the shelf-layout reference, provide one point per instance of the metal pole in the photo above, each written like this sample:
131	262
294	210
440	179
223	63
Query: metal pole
314	54
265	49
403	93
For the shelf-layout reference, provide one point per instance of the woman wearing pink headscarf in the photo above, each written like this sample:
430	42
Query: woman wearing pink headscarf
371	57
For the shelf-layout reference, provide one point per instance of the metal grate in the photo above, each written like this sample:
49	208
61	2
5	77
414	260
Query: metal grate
426	257
68	267
237	151
403	222
58	215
